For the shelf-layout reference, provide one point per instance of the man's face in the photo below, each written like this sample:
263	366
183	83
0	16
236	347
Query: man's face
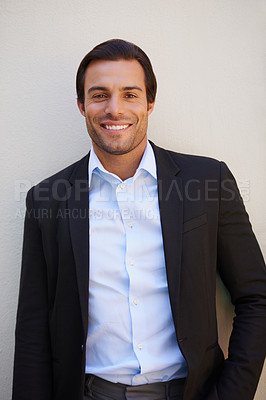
115	105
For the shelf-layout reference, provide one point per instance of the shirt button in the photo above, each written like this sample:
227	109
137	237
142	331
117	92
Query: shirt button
130	224
140	346
131	262
122	186
136	302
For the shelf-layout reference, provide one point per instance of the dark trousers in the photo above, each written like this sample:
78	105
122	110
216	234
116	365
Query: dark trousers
100	389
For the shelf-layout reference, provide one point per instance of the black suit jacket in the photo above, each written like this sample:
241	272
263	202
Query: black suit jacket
205	228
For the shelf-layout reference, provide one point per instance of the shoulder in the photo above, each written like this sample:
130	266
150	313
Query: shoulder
68	172
188	164
58	184
78	168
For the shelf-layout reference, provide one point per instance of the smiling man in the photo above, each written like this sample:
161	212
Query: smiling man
120	254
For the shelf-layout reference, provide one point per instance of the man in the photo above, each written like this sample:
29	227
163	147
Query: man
117	295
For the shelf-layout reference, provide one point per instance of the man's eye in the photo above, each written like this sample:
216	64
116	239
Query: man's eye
99	96
130	96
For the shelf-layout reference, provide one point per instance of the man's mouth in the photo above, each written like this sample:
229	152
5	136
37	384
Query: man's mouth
115	127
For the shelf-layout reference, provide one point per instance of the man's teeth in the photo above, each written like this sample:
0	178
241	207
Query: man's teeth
116	127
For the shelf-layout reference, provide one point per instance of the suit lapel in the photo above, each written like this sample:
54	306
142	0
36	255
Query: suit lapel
170	192
78	205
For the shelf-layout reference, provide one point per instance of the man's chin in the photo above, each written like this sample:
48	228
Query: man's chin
117	147
116	151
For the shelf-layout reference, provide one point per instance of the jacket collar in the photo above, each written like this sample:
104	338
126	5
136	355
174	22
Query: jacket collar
78	207
165	163
170	193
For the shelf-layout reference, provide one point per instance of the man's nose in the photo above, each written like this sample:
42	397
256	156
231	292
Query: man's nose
114	106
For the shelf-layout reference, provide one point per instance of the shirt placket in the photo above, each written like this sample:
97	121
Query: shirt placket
126	203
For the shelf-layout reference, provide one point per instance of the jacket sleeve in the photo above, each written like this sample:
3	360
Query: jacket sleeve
242	269
33	361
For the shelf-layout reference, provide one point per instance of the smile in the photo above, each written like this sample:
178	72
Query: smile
115	127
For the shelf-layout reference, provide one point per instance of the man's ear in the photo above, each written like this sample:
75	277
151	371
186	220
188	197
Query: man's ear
150	107
81	107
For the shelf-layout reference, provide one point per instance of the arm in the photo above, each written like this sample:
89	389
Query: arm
242	269
33	361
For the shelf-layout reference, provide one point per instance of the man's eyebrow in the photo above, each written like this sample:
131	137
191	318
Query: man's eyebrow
128	88
93	88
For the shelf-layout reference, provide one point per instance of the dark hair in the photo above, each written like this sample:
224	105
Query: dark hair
114	50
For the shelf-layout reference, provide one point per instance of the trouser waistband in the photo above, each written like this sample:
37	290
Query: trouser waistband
119	391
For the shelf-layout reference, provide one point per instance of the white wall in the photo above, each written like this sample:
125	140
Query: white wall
210	63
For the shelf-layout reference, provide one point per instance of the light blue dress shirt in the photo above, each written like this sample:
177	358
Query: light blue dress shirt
131	336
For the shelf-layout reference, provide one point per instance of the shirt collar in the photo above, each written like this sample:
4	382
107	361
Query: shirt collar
147	163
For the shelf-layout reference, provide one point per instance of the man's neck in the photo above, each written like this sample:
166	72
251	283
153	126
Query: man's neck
123	165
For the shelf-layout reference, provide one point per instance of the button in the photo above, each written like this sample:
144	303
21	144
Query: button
131	262
140	346
122	186
130	224
136	302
